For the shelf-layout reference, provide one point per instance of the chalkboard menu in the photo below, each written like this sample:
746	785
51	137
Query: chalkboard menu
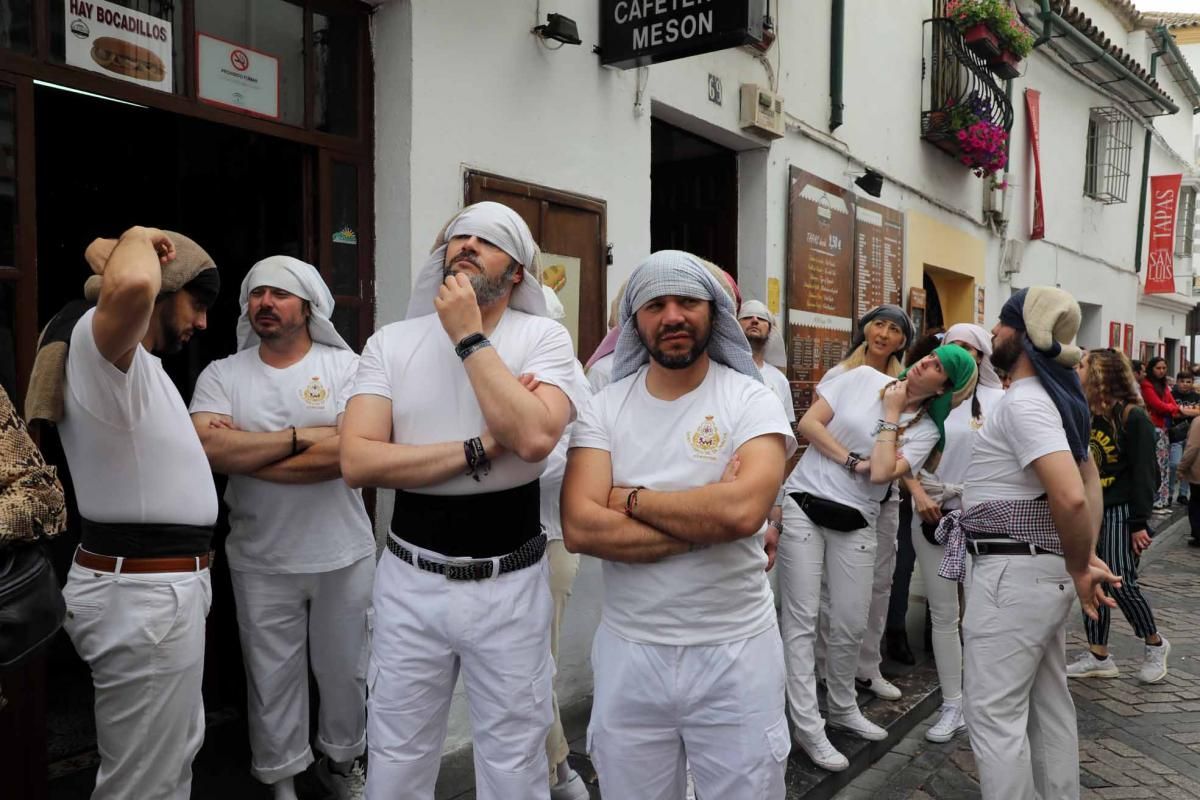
845	256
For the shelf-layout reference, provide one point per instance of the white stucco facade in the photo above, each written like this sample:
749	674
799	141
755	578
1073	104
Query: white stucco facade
463	84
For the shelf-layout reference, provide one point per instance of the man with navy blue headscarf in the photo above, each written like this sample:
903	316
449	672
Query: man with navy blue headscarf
672	470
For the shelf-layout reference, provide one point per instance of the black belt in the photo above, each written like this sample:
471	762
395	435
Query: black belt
473	569
483	525
144	540
1013	548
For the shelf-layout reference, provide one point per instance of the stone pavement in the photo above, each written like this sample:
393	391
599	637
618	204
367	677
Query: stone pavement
1135	740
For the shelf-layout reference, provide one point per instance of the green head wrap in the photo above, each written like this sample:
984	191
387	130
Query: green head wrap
961	370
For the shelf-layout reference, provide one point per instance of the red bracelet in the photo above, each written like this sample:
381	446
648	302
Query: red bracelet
631	502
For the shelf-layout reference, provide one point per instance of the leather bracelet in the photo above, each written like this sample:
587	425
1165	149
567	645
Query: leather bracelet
631	502
295	446
469	344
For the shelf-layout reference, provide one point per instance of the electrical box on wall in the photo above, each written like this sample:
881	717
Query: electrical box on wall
761	111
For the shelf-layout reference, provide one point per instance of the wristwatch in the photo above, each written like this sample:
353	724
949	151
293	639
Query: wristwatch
776	524
469	344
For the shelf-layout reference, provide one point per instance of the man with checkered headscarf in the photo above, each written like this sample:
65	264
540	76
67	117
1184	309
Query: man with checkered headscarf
671	472
457	408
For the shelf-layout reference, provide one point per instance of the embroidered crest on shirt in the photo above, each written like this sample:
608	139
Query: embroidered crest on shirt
314	394
706	439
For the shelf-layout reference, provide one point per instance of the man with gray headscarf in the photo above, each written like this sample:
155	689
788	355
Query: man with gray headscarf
457	408
672	470
139	589
300	547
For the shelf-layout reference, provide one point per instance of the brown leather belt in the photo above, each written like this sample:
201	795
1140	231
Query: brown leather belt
141	565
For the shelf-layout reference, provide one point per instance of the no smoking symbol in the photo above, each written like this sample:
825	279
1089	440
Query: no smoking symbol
240	61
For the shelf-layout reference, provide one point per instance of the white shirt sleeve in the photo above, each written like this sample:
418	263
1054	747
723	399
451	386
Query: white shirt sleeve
113	396
1033	428
345	385
590	428
211	394
552	361
760	415
919	442
372	374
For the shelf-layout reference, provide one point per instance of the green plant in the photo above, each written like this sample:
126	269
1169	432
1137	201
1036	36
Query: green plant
999	17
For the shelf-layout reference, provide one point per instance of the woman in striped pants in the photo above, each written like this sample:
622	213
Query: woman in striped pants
1122	445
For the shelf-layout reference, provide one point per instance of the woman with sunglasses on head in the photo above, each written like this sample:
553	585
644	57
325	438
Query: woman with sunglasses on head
865	430
1123	446
938	488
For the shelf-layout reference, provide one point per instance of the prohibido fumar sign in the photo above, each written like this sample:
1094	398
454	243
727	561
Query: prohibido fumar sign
635	33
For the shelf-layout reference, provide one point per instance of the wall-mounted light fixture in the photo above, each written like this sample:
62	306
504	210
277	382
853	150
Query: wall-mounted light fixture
871	182
559	29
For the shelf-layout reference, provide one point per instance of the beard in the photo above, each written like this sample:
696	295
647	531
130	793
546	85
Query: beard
758	342
678	360
280	331
487	290
171	340
1005	354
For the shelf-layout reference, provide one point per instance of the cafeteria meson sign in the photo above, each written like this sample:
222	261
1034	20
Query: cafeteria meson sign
636	33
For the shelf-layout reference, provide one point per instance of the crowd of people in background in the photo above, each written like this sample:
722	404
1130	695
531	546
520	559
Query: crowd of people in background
1016	471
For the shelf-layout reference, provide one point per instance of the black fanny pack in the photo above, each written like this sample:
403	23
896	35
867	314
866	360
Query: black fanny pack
144	540
469	525
928	530
830	514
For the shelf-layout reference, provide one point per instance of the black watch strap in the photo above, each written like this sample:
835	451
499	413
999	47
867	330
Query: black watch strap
463	348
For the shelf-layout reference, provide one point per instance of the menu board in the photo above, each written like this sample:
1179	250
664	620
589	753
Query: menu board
878	255
820	293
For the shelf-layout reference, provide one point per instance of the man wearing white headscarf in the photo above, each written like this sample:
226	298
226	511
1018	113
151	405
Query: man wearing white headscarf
457	408
300	547
671	472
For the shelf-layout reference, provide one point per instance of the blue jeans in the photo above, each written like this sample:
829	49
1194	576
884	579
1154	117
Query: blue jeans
1176	457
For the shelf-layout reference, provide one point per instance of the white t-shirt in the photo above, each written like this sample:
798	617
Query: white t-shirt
1024	426
281	528
550	485
133	452
961	431
413	364
777	382
713	595
599	374
857	407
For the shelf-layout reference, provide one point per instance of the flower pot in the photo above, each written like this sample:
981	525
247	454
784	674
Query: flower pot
982	42
1005	65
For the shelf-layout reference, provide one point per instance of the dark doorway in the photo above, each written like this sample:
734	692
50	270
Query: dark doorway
933	306
693	196
103	166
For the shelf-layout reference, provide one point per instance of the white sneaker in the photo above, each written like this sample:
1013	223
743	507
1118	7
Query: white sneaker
822	753
349	786
571	787
858	725
949	724
880	687
1088	666
1154	667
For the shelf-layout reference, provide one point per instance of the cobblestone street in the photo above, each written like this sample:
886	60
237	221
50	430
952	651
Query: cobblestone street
1135	740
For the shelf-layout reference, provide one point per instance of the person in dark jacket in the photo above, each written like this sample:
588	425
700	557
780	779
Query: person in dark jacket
1123	448
1186	396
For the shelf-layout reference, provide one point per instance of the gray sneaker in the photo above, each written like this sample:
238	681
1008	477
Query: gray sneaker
1088	666
1154	667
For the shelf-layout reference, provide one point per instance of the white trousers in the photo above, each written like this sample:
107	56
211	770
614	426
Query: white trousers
869	655
143	637
279	617
942	596
808	552
720	707
497	632
1018	709
564	566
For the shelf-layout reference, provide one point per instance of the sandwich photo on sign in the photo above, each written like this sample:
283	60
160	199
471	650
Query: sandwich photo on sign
126	58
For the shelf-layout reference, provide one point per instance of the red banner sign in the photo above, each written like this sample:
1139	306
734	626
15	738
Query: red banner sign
1160	266
1033	106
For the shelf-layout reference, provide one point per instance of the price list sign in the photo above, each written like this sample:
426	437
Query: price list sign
820	291
878	256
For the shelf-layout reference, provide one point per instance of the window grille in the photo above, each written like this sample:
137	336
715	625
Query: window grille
1109	149
1185	226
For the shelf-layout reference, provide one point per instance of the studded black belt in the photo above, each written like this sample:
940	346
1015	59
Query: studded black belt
473	569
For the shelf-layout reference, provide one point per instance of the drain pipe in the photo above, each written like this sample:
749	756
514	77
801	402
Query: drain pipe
1137	253
837	43
1047	24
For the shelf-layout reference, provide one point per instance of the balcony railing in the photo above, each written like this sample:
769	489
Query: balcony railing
956	84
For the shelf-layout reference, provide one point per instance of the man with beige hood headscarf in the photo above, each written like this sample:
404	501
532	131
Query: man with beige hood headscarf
138	592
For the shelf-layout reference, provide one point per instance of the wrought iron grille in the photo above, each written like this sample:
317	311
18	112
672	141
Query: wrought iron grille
956	84
1185	226
1109	150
